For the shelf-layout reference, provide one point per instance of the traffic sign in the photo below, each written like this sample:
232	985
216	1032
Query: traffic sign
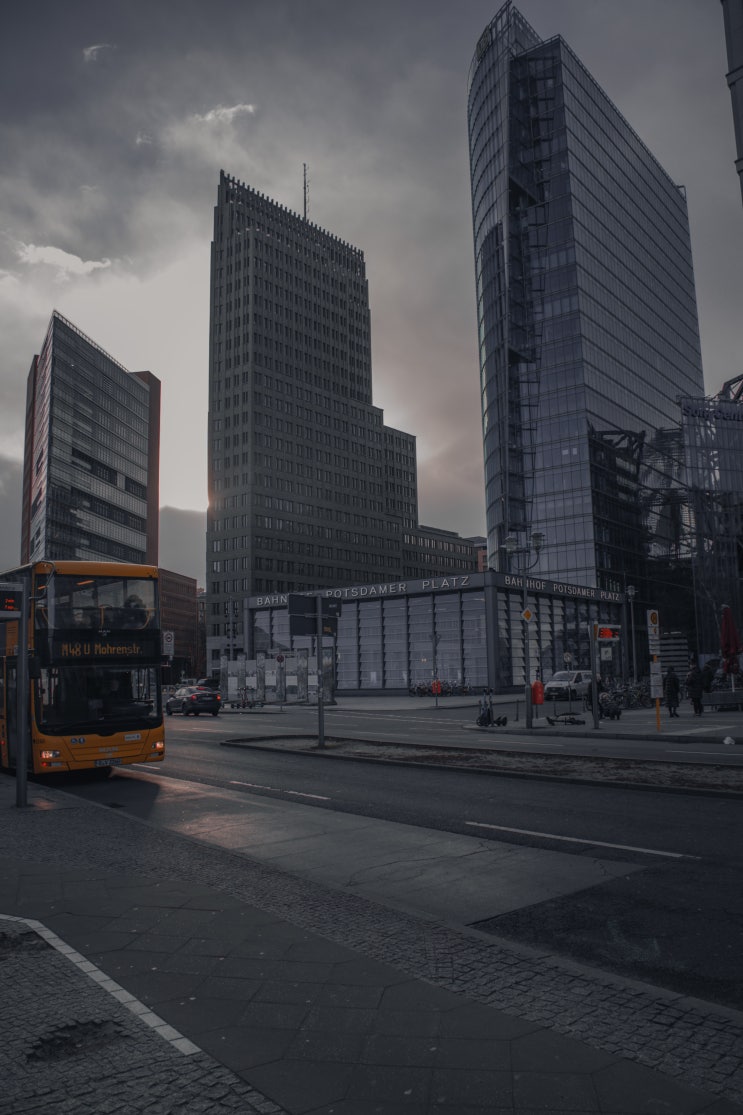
527	615
303	615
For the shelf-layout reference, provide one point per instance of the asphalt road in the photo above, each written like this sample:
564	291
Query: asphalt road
675	922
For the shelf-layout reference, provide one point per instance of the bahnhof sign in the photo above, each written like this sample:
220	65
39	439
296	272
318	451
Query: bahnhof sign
465	630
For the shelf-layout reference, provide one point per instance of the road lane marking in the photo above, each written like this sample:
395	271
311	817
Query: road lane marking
700	730
686	751
277	790
499	741
579	840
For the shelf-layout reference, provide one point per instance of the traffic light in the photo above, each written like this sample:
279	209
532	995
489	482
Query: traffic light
10	603
607	632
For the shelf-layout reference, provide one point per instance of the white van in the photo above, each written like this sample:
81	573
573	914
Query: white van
567	685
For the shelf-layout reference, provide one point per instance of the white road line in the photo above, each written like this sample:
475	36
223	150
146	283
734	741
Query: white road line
277	790
706	728
686	751
578	840
529	744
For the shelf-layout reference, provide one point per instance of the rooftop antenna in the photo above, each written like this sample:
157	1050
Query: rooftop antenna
306	191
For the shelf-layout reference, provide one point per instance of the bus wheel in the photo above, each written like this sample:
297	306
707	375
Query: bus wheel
195	713
216	713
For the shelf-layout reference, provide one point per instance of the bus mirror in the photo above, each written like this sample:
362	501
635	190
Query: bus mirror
34	667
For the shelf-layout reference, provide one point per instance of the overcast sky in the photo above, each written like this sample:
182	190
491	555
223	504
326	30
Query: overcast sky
118	116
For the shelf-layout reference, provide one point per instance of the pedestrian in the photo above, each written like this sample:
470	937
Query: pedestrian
695	688
671	690
486	713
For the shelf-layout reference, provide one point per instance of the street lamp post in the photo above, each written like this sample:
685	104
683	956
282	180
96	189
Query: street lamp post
631	593
533	544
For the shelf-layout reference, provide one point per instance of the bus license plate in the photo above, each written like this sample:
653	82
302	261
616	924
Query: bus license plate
107	763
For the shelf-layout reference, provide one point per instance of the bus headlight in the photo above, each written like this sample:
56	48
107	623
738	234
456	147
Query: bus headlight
158	745
50	754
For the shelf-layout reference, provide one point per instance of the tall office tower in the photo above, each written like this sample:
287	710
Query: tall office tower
92	454
586	311
733	20
307	487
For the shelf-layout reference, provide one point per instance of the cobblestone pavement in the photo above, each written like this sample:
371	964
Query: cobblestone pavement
70	1034
560	1036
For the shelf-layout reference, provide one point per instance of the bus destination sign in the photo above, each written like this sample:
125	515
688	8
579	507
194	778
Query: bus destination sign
105	647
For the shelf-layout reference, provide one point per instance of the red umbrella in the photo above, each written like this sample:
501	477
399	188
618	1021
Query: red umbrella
730	644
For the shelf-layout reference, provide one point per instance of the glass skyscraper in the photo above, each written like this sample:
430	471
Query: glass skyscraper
733	18
587	319
92	454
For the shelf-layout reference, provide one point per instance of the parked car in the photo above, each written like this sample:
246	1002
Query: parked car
194	699
567	685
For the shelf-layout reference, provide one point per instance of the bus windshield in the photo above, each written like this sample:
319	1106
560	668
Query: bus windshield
97	698
96	603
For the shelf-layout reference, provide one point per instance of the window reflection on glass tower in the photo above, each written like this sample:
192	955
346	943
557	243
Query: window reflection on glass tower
587	320
713	440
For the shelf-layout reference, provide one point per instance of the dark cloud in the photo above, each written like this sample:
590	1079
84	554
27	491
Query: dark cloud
116	157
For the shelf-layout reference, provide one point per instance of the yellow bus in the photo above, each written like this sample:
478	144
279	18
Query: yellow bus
94	667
